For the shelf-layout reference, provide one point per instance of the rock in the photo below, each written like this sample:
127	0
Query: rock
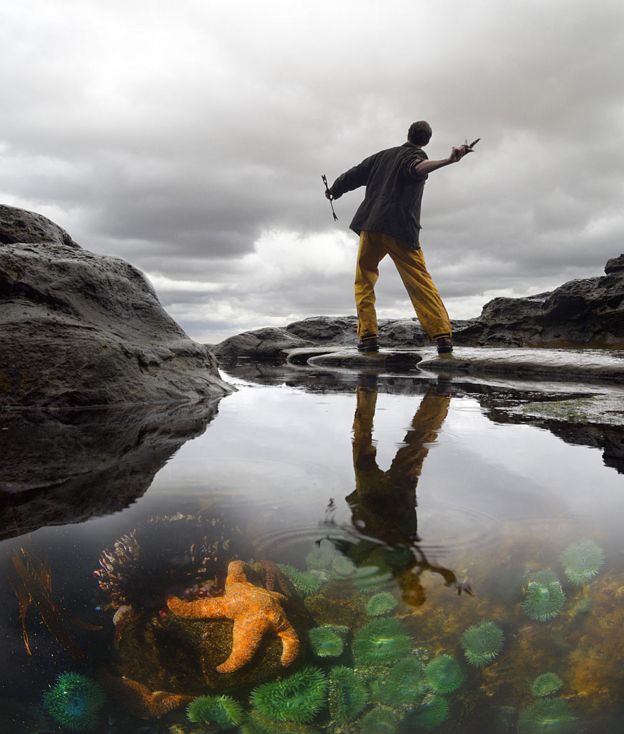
615	265
66	467
261	344
586	312
80	329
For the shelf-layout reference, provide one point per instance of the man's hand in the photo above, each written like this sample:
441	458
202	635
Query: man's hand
457	153
328	195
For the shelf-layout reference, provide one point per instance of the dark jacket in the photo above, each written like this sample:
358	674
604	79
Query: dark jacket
393	193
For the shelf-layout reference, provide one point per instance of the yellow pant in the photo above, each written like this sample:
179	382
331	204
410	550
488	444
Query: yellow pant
422	291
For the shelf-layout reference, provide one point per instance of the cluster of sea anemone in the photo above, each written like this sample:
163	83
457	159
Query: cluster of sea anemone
74	701
432	712
582	561
222	711
404	685
482	643
544	598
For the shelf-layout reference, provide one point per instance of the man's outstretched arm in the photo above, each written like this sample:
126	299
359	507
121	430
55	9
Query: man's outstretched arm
425	167
351	179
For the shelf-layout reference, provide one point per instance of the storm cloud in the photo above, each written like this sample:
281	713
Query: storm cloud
190	140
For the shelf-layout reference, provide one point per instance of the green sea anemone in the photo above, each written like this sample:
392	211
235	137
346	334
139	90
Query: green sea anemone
545	684
342	566
482	643
582	561
431	713
347	695
381	603
223	711
327	641
444	674
322	556
550	716
305	582
381	642
544	598
403	685
380	720
296	698
74	701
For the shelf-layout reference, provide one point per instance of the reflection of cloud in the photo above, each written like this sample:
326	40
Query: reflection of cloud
175	139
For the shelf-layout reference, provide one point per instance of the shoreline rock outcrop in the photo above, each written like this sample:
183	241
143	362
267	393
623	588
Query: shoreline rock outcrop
80	329
586	312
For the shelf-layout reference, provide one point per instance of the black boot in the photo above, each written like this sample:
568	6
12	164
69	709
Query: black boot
368	344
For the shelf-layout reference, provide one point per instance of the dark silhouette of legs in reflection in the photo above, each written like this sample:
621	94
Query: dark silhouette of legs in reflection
383	505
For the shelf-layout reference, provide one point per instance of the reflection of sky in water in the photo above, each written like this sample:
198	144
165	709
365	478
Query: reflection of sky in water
280	446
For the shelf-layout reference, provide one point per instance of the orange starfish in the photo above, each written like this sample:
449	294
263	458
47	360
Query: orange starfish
138	699
254	611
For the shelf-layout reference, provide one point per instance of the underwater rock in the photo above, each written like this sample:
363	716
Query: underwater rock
298	698
80	329
139	700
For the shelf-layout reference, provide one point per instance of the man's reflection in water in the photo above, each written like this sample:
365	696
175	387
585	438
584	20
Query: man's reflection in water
383	504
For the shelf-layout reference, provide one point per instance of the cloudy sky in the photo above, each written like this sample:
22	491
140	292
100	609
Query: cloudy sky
189	139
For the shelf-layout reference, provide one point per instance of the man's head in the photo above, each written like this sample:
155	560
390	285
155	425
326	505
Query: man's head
419	133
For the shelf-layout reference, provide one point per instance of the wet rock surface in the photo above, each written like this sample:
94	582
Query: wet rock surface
80	329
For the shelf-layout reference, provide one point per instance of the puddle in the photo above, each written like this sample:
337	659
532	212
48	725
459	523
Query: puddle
413	558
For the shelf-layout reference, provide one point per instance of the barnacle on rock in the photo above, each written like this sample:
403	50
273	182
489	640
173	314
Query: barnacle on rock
482	643
296	698
544	597
444	674
582	561
74	701
381	642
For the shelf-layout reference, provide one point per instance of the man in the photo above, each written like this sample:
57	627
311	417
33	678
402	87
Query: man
388	223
